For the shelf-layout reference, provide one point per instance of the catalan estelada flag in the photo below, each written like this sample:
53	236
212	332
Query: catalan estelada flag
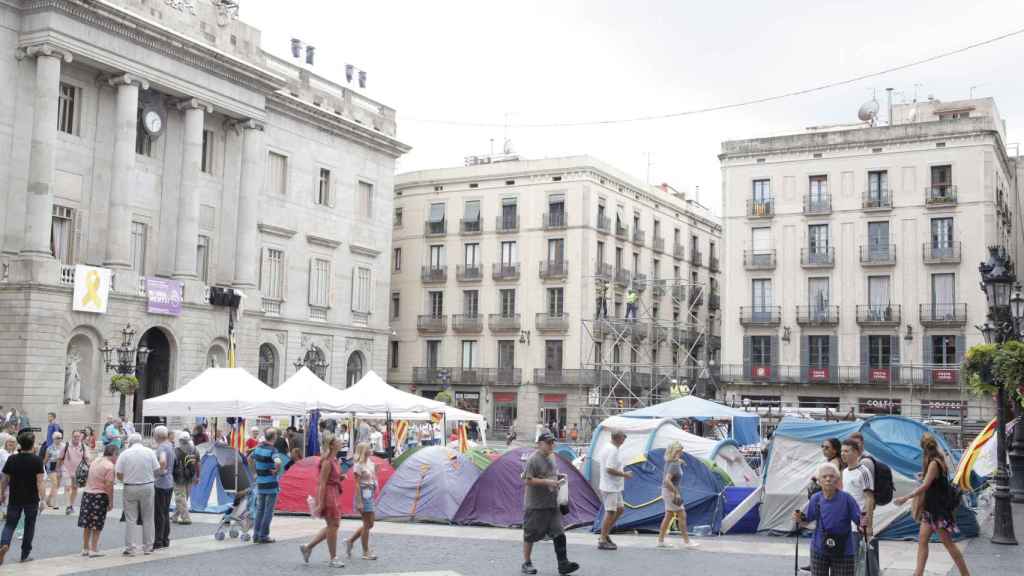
436	417
463	439
236	438
401	431
962	477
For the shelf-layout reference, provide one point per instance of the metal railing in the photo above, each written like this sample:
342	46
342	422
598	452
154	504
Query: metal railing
432	323
696	257
640	282
658	244
679	252
878	254
925	376
67	275
622	277
639	236
817	315
817	204
431	273
713	263
604	271
818	258
940	194
550	269
435	228
468	273
714	302
622	231
467	323
937	315
471	226
880	199
504	323
505	224
759	259
763	208
545	322
760	315
505	272
604	224
555	220
941	253
879	314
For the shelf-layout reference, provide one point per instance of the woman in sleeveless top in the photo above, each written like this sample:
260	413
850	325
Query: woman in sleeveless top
673	497
366	486
939	512
328	501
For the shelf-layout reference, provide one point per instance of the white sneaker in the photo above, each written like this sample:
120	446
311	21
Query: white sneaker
691	545
335	563
665	546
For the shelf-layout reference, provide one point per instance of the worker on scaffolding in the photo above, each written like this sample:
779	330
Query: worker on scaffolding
631	297
602	299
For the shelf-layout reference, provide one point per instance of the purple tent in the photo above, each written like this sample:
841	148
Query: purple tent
429	485
497	497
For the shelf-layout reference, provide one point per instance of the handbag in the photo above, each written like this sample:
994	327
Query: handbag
82	471
834	545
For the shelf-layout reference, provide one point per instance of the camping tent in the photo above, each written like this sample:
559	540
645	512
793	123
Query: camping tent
701	488
300	481
375	396
218	392
304	391
482	457
745	426
217	470
795	454
496	499
429	485
644	435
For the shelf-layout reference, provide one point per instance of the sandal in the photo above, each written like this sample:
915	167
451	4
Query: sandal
305	552
369	556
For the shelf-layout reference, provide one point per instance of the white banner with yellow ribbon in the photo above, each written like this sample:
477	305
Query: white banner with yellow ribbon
92	286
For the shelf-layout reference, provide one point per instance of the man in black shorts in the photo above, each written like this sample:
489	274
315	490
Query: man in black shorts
541	515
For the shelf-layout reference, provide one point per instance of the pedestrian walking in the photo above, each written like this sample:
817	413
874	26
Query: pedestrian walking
631	297
8	448
366	486
858	480
23	473
97	500
938	510
613	482
672	495
266	462
186	475
73	456
52	427
163	485
328	501
136	467
834	513
831	450
51	463
541	515
113	433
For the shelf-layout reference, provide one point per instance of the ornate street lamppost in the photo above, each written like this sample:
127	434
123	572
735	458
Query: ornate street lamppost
129	359
1006	318
314	360
1016	446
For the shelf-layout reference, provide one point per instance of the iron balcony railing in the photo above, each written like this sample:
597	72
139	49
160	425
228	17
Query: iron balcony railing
621	231
714	302
696	257
759	259
468	273
938	315
505	272
924	376
469	227
500	323
435	228
678	252
433	273
878	254
604	271
815	315
622	277
506	224
658	289
941	252
817	203
432	323
564	377
443	376
639	236
818	257
546	322
940	195
552	269
761	208
604	224
658	243
467	323
880	199
713	263
879	314
640	282
555	220
760	315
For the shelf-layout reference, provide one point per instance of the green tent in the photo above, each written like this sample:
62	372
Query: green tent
726	479
482	457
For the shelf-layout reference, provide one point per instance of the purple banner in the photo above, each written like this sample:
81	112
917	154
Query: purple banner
163	296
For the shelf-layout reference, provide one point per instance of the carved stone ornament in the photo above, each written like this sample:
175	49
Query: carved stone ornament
282	338
227	10
182	5
42	49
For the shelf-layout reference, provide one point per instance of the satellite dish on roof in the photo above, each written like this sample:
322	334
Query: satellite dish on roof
868	112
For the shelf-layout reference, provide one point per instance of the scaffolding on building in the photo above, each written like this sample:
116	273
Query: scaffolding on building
643	359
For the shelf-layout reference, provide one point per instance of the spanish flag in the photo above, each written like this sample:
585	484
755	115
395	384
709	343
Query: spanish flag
463	439
962	477
401	430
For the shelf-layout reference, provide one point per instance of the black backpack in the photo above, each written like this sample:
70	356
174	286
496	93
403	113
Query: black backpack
883	482
184	466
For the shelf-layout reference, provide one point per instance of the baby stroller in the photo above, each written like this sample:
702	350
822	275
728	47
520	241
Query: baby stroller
238	519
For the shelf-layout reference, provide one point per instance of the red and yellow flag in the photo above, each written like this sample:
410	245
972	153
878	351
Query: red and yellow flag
463	439
401	431
963	471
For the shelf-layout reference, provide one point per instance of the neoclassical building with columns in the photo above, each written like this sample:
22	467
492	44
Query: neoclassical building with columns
155	141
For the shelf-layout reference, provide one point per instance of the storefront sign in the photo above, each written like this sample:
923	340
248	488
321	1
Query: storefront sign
945	409
944	375
594	396
163	296
817	374
504	397
92	286
761	372
879	375
879	406
554	398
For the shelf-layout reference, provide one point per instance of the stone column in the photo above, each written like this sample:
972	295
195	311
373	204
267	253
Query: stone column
41	166
254	158
119	214
188	195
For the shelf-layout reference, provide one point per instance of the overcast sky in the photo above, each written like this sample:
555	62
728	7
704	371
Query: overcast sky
540	61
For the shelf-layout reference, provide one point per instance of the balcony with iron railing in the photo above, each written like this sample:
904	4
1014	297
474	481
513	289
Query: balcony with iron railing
621	231
465	273
432	323
467	323
818	257
658	244
880	199
564	377
640	282
554	269
760	315
696	297
878	255
658	289
696	257
604	271
504	323
761	208
919	376
818	204
506	224
555	220
639	236
432	229
443	376
679	252
505	272
471	227
941	252
816	315
940	195
546	322
713	263
759	259
604	224
940	315
714	302
879	314
433	274
622	277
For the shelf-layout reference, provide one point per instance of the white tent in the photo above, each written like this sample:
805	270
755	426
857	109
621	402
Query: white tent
217	392
451	413
375	396
304	390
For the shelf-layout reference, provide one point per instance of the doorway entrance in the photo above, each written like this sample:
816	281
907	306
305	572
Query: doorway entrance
154	377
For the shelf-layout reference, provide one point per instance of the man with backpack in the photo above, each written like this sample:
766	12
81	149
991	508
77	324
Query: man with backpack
870	483
186	475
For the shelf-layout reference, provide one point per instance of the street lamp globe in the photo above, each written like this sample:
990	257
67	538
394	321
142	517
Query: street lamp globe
1017	305
996	281
988	332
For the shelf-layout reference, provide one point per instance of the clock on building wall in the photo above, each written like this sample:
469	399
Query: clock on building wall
152	121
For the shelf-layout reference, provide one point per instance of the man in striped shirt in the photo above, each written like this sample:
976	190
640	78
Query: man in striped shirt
266	462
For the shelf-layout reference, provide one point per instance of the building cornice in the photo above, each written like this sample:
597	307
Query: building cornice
301	110
363	250
325	327
323	241
274	230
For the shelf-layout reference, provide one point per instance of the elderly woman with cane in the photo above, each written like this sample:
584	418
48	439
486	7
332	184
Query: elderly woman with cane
834	512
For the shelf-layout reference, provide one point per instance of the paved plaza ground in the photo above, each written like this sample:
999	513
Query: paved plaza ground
435	550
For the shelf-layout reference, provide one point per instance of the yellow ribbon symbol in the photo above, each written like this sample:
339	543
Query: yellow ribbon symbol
92	286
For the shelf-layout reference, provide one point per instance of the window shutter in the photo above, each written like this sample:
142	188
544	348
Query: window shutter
77	250
332	189
354	298
894	364
264	281
746	357
284	275
805	358
833	359
775	358
311	285
927	358
961	347
373	293
865	369
330	284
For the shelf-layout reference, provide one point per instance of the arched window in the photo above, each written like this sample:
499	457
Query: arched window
316	362
268	365
354	370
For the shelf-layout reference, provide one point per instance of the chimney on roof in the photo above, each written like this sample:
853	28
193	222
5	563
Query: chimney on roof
296	48
362	79
310	51
349	69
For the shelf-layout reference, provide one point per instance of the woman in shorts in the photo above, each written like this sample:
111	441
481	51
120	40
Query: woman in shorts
672	495
366	485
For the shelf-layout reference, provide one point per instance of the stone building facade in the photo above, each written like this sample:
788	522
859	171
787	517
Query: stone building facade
157	140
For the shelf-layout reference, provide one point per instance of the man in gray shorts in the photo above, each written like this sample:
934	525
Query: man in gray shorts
541	515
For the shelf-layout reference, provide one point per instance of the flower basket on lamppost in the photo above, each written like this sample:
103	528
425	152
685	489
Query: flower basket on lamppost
130	358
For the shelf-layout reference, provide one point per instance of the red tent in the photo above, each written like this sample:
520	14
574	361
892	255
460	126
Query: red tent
300	481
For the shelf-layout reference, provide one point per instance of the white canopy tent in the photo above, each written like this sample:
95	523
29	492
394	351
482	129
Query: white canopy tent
218	392
304	390
375	396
